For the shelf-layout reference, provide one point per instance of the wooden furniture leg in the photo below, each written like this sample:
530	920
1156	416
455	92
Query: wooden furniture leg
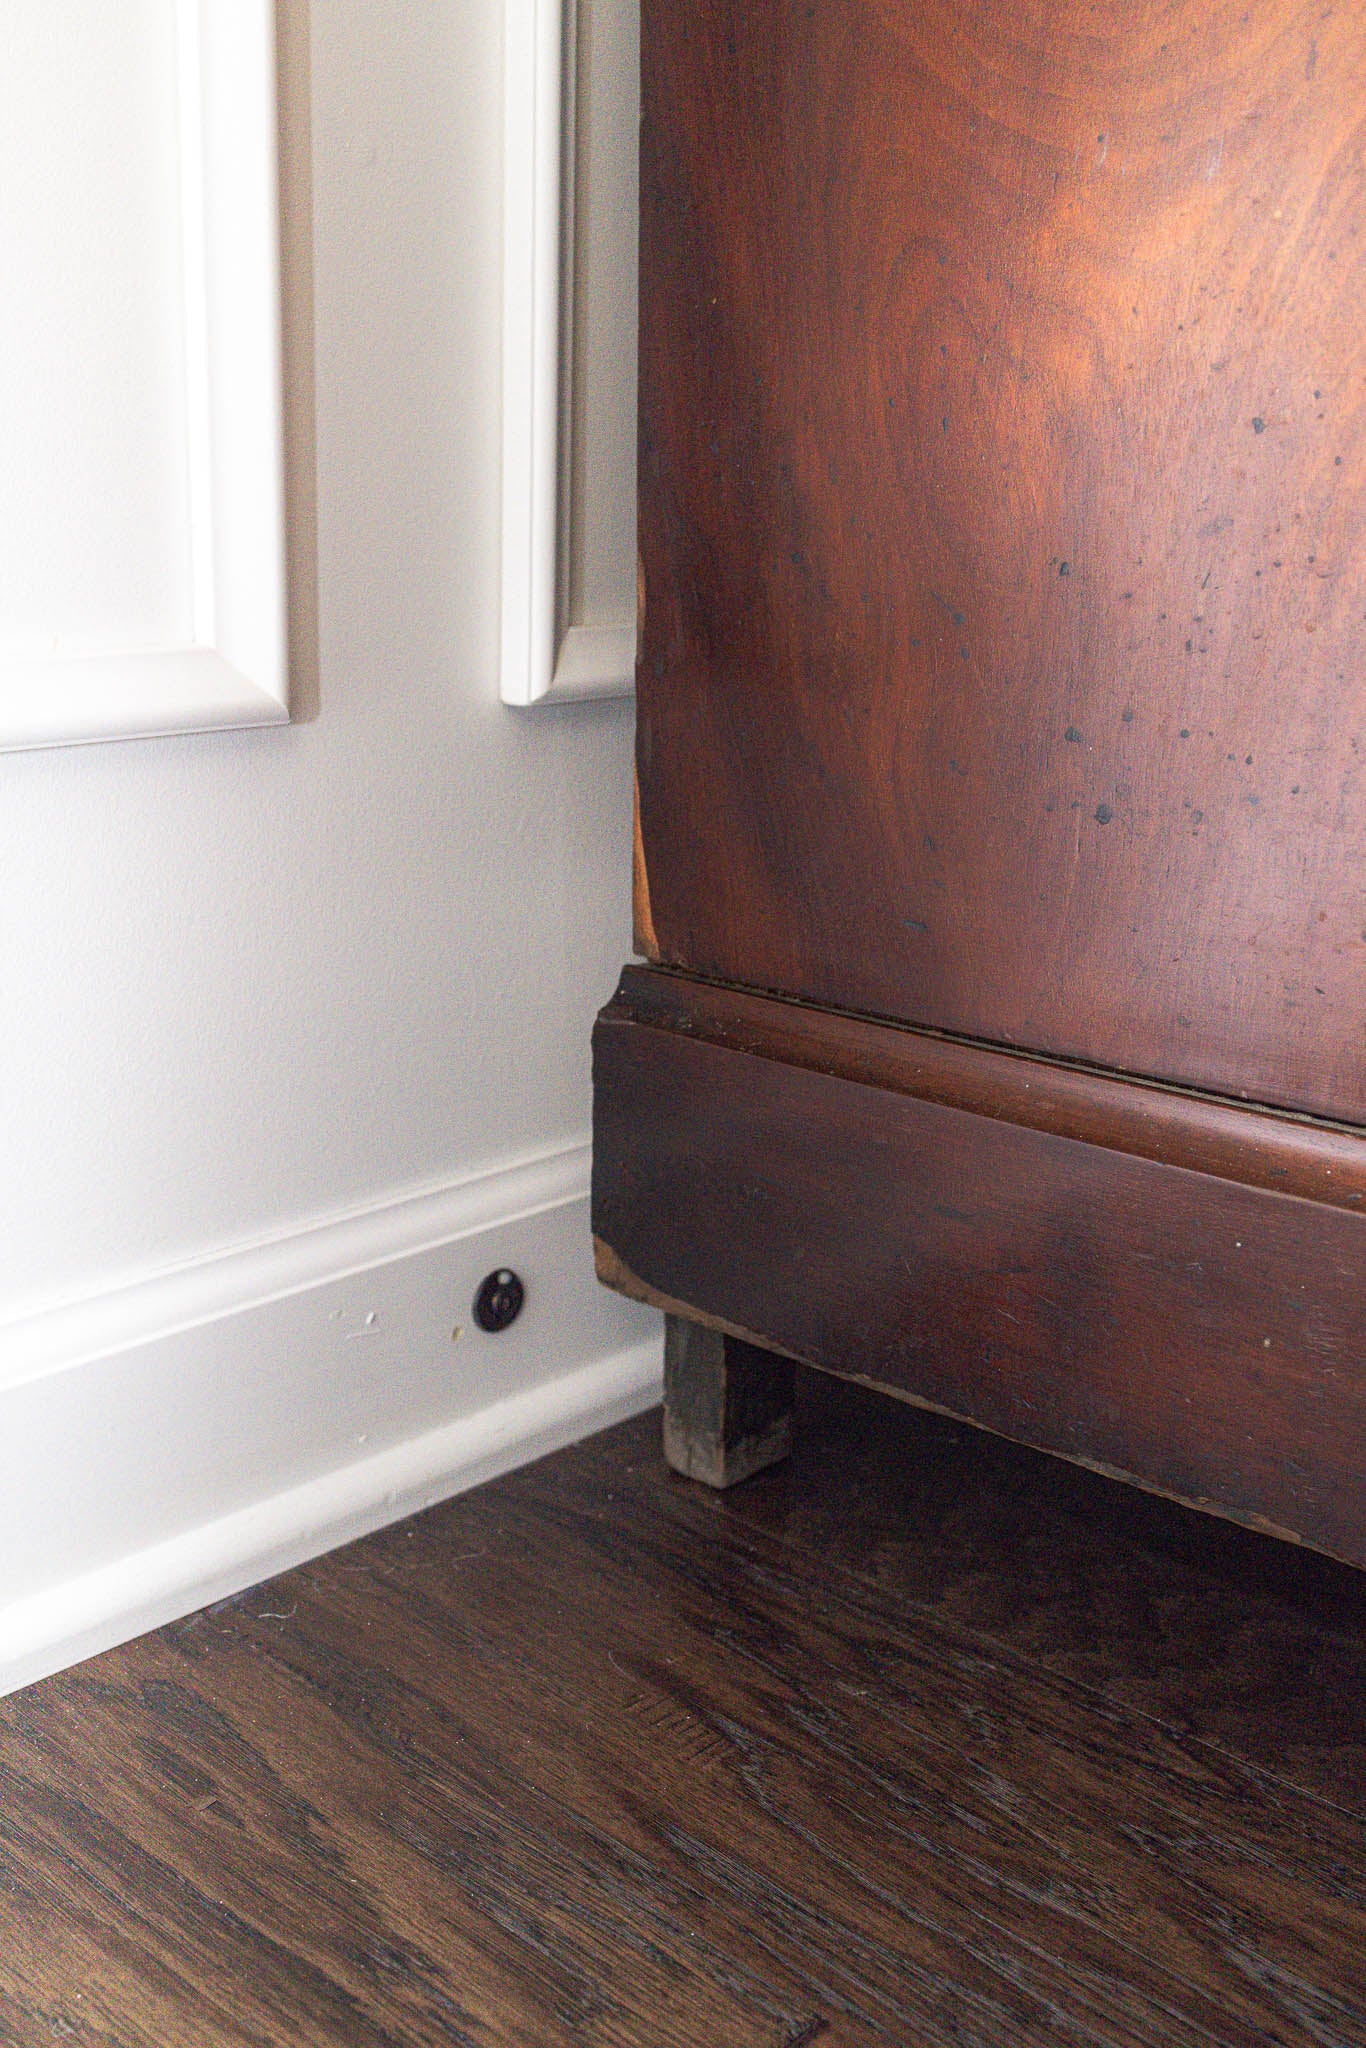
727	1404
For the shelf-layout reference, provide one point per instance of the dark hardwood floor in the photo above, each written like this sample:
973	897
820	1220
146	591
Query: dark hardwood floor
923	1739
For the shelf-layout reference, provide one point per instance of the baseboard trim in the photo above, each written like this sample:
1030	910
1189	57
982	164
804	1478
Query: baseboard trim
97	1610
174	1439
153	1308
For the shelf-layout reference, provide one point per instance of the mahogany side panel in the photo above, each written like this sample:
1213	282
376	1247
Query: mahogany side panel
1204	1336
1003	523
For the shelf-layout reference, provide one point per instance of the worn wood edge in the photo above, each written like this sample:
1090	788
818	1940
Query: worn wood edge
613	1271
645	941
1247	1143
642	919
723	1469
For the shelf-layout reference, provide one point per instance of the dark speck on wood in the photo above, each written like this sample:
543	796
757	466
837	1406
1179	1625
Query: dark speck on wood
1103	814
1259	425
1072	734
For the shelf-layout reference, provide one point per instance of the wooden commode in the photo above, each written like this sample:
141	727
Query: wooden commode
1001	838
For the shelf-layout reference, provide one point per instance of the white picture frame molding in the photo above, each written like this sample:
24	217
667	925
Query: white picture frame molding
545	656
234	670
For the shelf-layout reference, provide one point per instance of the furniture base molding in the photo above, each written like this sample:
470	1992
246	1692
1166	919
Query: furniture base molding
1163	1285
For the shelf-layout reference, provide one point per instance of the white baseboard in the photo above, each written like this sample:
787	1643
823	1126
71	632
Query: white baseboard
157	1305
96	1610
188	1434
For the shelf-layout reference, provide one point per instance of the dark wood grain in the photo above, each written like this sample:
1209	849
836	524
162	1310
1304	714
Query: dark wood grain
1204	1336
1003	479
933	1743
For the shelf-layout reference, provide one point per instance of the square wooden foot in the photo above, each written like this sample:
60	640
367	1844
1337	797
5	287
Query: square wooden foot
727	1404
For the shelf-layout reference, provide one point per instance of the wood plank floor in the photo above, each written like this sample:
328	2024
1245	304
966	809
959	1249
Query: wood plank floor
923	1740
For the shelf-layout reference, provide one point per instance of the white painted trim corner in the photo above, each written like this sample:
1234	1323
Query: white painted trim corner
594	661
544	657
233	669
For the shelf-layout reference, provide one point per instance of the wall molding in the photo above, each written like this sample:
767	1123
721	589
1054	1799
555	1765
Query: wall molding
157	1306
233	670
546	656
96	1610
176	1438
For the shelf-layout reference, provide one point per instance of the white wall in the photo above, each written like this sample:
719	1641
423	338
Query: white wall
259	990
